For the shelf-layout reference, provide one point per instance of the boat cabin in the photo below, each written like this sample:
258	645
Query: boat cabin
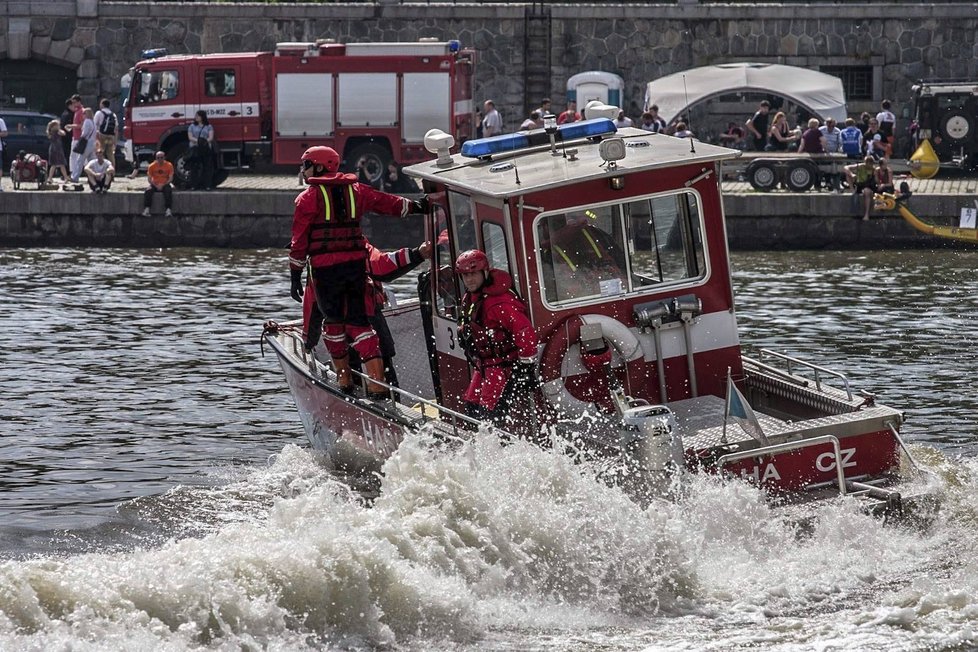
608	234
616	241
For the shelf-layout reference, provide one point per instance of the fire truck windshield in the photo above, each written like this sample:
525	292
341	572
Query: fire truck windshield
156	85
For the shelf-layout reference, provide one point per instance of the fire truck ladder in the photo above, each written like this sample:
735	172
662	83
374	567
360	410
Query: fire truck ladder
536	56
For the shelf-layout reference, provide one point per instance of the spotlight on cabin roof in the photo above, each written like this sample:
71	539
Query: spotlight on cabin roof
439	143
598	109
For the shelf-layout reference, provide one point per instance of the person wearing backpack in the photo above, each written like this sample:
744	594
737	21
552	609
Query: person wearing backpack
106	130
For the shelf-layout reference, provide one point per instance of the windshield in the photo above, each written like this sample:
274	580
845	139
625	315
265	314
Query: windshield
601	251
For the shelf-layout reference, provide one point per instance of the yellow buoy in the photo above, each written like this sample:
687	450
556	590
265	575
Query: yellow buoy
924	163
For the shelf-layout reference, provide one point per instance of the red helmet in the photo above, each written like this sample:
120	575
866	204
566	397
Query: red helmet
472	260
322	155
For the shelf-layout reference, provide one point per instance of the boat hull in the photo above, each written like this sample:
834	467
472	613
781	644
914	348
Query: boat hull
355	435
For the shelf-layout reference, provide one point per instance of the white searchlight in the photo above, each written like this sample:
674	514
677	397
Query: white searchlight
439	143
598	109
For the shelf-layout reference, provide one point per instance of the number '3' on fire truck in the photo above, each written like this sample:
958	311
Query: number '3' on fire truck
371	102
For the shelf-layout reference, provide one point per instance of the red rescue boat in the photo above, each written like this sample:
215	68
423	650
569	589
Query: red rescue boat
616	240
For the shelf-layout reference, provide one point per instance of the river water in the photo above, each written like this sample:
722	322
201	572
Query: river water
158	492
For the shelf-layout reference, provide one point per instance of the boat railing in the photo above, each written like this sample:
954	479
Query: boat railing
818	370
774	449
425	411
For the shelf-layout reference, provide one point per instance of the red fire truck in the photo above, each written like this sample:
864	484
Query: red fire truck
372	102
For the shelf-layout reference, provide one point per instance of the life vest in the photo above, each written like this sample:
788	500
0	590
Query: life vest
486	347
339	230
864	174
882	178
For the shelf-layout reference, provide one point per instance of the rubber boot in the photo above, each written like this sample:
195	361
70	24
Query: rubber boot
375	370
344	377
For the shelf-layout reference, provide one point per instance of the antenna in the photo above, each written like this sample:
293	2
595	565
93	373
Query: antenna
689	125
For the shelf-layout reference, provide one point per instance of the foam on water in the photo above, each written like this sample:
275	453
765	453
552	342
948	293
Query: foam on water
506	547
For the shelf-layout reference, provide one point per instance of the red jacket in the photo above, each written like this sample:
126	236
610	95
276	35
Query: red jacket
310	216
498	332
381	266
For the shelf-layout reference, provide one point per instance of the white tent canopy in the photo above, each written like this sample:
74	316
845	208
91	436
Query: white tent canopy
818	92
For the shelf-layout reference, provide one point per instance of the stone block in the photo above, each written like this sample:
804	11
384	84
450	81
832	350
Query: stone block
87	8
58	52
40	46
19	38
88	68
75	55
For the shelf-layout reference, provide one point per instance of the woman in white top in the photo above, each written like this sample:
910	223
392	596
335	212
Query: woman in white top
201	153
88	132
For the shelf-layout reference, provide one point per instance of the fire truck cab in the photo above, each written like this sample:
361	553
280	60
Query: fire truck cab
372	102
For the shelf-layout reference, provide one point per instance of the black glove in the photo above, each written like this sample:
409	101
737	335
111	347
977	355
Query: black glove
296	290
525	377
420	205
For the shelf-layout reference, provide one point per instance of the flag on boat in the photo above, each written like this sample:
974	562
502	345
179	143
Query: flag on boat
740	411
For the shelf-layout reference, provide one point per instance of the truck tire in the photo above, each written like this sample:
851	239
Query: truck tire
178	156
801	177
762	176
957	125
375	159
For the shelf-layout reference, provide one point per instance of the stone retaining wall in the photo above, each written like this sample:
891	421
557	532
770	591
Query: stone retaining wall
101	39
263	219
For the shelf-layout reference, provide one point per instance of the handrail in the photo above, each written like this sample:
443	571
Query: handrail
790	446
774	371
816	368
311	361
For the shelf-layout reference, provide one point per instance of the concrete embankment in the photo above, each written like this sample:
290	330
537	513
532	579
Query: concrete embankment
255	211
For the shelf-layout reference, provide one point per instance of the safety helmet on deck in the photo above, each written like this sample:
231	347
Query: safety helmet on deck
472	260
322	155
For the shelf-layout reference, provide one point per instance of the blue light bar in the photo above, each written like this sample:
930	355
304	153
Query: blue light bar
495	145
155	52
483	147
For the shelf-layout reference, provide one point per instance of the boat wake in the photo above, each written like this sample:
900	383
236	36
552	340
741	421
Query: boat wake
502	547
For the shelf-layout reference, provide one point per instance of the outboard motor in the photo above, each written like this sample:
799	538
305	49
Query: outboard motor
653	448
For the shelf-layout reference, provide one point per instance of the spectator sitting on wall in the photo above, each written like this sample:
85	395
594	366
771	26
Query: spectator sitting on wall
100	173
535	121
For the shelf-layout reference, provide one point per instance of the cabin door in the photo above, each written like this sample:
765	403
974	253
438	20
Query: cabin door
466	225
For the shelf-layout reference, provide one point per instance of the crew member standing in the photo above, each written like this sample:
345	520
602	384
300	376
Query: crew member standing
326	231
498	339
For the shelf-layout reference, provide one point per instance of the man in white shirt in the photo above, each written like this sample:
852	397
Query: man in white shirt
3	134
833	144
100	173
623	120
492	122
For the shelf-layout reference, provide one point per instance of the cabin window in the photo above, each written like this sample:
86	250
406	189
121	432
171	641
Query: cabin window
157	86
665	239
616	249
494	244
219	83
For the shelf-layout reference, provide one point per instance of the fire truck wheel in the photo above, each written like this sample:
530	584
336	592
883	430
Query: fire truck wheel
373	157
762	176
177	155
801	177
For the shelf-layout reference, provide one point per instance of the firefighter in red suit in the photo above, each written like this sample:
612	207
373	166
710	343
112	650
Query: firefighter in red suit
326	232
498	338
382	267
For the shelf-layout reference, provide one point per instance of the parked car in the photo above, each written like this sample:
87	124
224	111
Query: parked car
26	130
